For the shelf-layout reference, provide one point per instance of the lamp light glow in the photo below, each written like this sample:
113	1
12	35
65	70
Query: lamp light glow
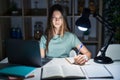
82	28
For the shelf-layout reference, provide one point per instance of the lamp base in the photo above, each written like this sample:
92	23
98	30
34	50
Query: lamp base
103	60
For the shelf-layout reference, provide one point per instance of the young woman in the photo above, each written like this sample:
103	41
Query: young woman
58	40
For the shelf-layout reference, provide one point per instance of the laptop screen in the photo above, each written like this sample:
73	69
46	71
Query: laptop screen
23	52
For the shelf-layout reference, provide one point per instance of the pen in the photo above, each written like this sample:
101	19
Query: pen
68	60
79	49
20	78
30	76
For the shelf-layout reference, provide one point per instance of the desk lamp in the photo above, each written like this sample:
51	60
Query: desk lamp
84	22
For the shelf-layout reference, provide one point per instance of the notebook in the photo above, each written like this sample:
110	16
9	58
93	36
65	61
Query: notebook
24	52
17	71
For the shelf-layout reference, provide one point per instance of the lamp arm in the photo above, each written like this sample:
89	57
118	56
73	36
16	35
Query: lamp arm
109	27
103	50
103	21
103	58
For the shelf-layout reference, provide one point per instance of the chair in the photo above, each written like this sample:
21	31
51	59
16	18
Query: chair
73	52
113	51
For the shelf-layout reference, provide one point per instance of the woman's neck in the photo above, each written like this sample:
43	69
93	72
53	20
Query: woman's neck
57	31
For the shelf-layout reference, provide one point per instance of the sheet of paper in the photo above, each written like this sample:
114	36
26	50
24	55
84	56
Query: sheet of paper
115	70
96	71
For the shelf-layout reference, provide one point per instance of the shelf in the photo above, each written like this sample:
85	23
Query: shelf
89	41
13	13
35	12
9	16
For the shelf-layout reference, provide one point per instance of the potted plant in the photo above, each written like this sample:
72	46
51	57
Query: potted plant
111	12
117	35
13	9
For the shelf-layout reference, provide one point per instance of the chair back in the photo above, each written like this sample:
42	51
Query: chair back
113	51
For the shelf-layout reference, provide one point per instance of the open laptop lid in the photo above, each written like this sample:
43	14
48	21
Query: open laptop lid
23	52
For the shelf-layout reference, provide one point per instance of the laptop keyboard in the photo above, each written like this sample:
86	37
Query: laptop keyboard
45	60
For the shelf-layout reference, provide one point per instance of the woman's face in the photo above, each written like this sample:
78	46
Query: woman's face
57	19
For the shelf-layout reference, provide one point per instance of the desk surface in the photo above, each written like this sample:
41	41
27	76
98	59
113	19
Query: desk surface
114	68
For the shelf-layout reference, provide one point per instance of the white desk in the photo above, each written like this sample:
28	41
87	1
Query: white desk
114	68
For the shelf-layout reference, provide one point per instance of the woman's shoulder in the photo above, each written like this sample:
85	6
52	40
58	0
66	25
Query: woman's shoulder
69	34
43	37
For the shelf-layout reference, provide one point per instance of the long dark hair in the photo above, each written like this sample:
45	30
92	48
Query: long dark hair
50	28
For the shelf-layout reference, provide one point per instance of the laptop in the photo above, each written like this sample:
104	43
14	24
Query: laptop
24	52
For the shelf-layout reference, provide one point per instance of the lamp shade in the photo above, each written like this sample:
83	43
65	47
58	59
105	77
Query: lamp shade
83	23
